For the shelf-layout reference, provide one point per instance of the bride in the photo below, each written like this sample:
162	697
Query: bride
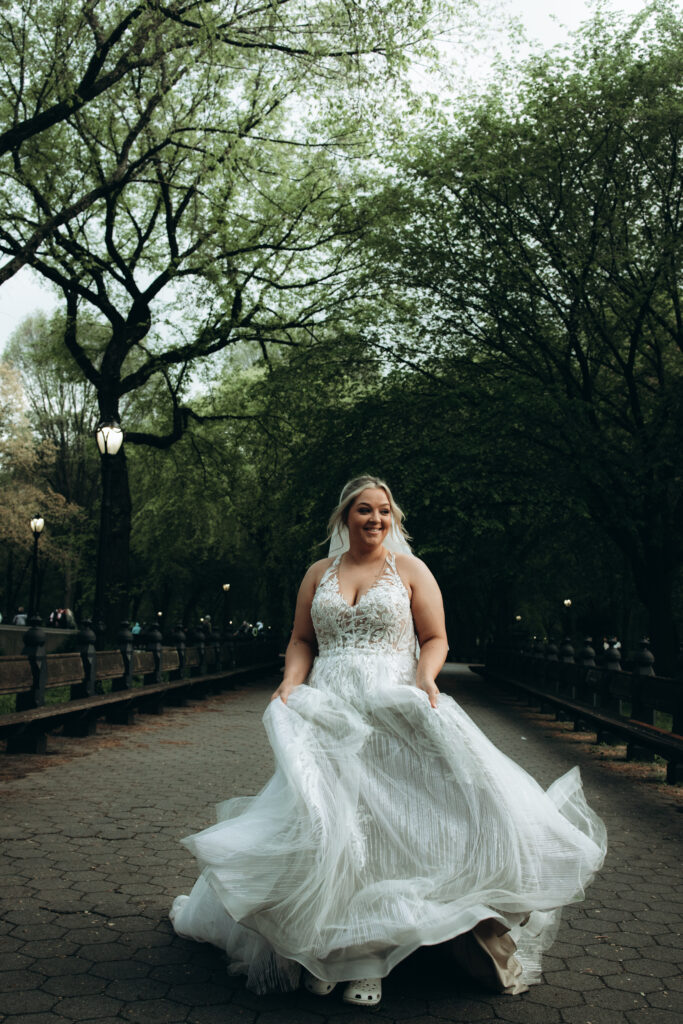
391	821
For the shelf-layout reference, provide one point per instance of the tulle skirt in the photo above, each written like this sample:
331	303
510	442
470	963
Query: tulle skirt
387	825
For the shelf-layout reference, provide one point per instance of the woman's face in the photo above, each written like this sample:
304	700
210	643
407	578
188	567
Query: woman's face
369	519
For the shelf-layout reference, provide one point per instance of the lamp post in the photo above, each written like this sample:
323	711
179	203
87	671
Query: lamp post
37	527
568	618
109	437
226	608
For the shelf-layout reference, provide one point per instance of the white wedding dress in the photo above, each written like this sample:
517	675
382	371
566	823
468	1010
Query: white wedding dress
387	825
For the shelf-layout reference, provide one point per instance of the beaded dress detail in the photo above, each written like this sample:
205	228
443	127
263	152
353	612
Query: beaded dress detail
387	825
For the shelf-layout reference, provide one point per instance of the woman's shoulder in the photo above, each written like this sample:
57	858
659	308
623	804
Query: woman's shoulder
411	567
317	570
407	560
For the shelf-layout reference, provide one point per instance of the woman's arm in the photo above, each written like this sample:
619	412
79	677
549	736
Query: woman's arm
302	645
430	625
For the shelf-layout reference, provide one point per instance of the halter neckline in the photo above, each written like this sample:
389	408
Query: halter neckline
388	563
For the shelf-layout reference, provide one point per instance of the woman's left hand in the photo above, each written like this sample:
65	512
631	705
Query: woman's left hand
431	689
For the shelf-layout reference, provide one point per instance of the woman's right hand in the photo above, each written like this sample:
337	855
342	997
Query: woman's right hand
283	691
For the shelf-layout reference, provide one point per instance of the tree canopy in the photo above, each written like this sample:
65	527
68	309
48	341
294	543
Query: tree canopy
486	312
540	240
182	174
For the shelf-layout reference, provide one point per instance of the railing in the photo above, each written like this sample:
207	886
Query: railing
75	689
644	709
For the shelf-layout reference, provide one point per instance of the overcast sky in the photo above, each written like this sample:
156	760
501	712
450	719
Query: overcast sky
547	21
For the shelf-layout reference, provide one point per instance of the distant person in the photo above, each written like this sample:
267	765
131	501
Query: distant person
21	618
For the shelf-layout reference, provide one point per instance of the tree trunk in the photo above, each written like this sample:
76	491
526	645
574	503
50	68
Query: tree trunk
115	546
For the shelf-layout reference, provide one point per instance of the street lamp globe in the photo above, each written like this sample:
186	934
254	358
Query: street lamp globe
37	525
226	587
109	437
567	602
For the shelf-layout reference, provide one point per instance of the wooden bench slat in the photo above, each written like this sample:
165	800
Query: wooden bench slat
15	674
169	659
63	669
143	661
100	702
109	664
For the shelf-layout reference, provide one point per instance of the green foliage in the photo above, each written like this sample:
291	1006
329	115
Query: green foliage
27	463
182	174
540	234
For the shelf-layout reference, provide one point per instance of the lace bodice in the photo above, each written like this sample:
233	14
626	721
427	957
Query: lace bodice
380	622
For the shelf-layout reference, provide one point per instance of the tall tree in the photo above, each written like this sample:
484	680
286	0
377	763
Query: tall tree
541	235
24	493
58	58
210	216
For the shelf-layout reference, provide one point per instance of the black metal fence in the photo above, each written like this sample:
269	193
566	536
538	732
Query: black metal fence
601	693
41	691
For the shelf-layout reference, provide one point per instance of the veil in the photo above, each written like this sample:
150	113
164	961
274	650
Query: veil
394	541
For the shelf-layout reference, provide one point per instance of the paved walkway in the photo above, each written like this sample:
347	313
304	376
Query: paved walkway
90	861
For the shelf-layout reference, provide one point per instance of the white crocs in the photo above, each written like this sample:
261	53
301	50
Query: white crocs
316	985
364	992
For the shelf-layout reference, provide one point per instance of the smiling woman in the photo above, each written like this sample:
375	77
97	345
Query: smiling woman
391	821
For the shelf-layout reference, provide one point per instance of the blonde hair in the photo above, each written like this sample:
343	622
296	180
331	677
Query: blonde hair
350	492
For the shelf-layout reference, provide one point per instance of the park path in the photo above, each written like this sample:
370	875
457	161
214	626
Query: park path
90	862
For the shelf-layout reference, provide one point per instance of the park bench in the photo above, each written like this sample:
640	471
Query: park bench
617	705
140	681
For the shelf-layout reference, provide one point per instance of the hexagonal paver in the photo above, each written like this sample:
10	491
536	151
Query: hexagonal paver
633	983
580	981
123	969
85	1007
609	951
229	1015
198	994
26	1001
592	1015
286	1016
104	951
29	932
101	865
19	979
136	989
521	1011
158	1011
653	1015
43	948
548	995
74	985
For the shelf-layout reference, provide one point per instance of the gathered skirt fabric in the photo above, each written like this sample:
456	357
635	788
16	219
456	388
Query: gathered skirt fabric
387	825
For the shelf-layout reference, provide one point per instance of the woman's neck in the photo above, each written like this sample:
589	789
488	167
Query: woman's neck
362	556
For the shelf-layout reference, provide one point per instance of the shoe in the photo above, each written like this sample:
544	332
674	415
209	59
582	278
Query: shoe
364	992
316	985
